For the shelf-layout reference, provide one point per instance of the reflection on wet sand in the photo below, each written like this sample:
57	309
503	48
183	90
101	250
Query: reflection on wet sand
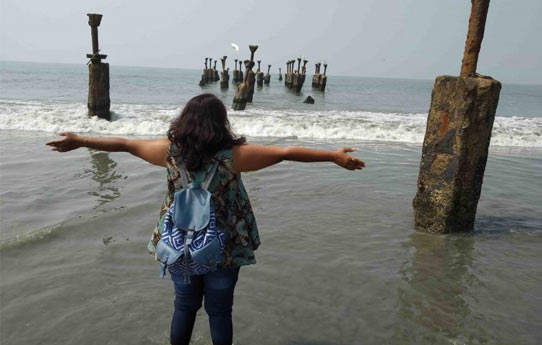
433	297
103	171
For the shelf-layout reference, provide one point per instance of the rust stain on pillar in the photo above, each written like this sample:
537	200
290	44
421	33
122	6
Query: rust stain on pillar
98	103
456	142
475	35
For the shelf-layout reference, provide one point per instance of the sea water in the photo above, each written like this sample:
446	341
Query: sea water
340	261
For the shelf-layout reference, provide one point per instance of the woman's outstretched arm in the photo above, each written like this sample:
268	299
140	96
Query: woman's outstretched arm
251	157
153	151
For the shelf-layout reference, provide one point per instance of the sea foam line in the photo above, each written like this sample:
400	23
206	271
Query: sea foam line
154	119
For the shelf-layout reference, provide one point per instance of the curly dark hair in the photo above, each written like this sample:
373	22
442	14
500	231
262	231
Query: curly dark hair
201	130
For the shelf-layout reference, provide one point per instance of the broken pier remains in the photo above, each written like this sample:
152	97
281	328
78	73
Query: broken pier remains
457	138
98	103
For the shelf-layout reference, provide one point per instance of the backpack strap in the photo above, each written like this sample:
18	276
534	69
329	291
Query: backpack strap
184	176
210	176
188	237
206	182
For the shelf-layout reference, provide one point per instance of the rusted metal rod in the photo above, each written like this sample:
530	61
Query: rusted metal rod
477	23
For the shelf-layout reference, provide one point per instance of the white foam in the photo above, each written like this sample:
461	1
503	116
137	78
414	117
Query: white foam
154	119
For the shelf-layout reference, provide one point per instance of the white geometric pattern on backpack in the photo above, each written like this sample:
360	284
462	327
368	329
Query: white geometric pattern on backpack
174	237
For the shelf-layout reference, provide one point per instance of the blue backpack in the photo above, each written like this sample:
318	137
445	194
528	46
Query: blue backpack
191	243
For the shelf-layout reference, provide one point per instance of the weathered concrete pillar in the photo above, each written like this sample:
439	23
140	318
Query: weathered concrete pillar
251	76
280	74
241	76
457	138
203	79
225	80
289	78
259	75
235	73
245	90
267	78
316	76
216	77
323	78
209	71
299	78
98	102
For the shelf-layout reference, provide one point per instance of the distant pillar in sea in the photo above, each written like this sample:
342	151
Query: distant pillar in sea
245	89
240	80
267	78
319	80
298	77
280	74
225	80
215	73
210	75
289	79
99	103
259	75
457	138
251	76
203	79
235	73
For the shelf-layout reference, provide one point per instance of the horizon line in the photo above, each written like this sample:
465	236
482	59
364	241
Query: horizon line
195	69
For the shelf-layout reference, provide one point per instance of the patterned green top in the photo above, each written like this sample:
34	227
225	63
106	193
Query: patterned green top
242	237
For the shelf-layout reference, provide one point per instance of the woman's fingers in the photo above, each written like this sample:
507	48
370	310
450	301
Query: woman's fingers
62	134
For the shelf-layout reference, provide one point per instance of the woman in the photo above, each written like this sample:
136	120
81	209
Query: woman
199	137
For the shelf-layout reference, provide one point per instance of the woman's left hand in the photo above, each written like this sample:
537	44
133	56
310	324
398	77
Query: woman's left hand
343	159
71	141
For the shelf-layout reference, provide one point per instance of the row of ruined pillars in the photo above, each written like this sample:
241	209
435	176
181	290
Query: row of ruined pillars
210	75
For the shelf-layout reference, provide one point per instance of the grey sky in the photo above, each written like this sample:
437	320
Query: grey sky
394	38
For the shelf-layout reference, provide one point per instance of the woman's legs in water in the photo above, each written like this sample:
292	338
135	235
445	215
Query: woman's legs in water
218	290
188	299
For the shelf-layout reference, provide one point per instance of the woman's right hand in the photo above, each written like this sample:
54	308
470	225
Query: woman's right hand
71	141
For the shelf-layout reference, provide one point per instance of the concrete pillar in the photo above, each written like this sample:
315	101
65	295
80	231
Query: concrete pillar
215	73
225	80
457	138
98	102
251	76
245	89
259	75
235	73
203	79
267	78
316	76
323	79
299	77
280	74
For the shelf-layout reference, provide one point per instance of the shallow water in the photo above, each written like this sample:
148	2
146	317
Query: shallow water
340	262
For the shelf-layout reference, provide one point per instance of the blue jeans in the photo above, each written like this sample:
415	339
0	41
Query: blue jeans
217	288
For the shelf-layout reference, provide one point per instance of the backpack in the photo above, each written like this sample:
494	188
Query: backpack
191	243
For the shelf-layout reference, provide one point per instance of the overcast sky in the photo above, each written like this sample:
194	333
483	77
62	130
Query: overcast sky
376	38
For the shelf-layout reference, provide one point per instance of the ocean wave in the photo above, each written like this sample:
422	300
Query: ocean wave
154	120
